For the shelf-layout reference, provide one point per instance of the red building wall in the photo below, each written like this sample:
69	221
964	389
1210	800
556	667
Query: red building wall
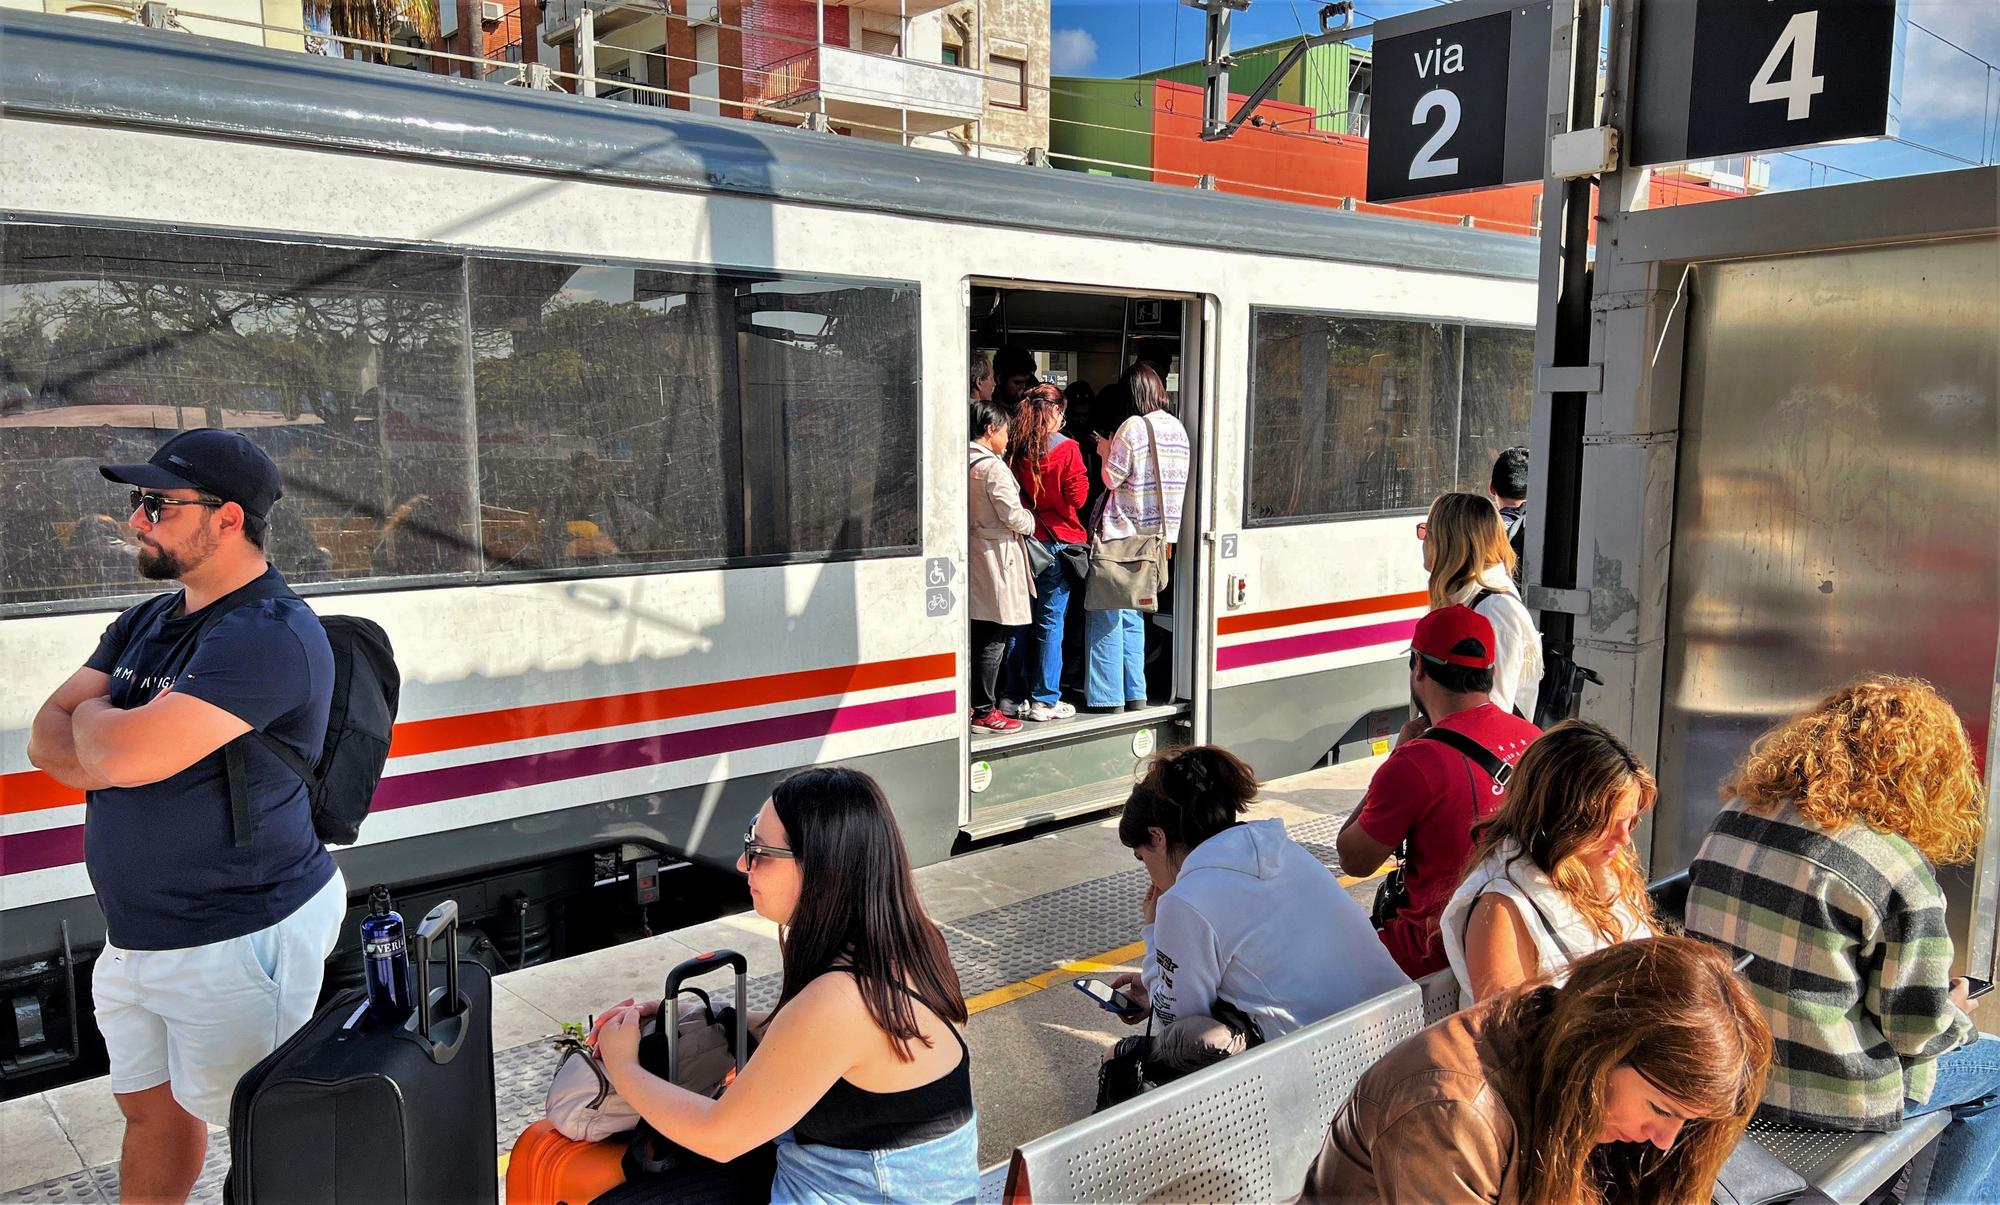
1294	162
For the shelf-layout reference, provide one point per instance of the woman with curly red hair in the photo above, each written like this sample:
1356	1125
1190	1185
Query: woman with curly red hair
1821	865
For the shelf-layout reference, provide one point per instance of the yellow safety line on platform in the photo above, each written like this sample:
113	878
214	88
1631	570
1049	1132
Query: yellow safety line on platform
1109	960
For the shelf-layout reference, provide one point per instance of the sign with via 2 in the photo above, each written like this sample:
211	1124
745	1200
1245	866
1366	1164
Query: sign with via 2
1456	94
1731	77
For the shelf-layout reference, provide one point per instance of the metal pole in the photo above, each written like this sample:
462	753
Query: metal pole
586	50
819	50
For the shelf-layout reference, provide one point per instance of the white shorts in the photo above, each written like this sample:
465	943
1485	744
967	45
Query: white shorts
200	1017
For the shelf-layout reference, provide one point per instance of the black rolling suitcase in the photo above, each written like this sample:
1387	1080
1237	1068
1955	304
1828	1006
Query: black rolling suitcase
355	1112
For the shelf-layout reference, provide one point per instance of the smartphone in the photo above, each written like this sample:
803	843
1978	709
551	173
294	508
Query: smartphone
1975	988
1107	998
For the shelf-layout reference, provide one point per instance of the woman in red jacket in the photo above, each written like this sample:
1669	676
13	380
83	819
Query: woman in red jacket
1049	466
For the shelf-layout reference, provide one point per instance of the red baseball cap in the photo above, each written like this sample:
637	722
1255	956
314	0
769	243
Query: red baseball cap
1443	634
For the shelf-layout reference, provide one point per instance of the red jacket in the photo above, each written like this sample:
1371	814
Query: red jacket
1064	487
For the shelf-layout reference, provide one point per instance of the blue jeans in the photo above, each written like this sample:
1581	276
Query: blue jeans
943	1169
1968	1154
1115	670
1034	652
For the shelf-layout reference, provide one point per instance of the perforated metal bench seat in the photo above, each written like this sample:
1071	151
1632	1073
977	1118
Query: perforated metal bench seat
1848	1167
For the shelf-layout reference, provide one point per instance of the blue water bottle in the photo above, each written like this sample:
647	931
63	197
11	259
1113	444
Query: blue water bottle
387	959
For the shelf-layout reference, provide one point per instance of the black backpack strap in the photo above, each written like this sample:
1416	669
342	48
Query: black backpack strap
1481	597
240	824
1499	771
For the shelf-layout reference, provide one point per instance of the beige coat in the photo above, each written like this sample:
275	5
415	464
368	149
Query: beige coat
1001	583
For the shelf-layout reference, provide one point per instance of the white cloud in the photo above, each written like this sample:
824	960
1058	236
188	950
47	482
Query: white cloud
1942	84
1071	51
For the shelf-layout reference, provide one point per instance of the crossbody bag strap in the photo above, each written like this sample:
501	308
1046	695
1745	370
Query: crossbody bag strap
1159	483
1496	769
1548	926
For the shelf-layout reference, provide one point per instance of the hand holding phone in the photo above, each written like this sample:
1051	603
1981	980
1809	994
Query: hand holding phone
1108	998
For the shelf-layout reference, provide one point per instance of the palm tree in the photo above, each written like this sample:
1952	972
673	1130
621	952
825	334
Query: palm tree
381	20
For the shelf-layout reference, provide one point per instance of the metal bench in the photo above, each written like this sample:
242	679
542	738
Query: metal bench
1250	1127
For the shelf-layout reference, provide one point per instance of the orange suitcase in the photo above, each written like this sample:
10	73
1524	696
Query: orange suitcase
546	1168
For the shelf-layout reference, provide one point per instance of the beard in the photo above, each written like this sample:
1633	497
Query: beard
159	565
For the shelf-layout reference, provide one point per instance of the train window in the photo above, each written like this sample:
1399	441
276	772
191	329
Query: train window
346	365
1350	415
603	434
1499	391
831	407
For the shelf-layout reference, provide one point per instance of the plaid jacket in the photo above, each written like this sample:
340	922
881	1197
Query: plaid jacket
1852	961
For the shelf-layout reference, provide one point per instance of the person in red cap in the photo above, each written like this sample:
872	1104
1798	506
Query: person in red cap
1448	772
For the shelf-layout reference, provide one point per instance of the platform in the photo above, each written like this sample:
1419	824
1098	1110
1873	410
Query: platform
1020	917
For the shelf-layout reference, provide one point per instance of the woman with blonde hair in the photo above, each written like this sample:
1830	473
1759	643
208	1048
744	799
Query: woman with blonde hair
1631	1082
1820	864
1471	563
1552	875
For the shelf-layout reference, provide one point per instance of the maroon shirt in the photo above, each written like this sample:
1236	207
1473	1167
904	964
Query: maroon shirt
1064	487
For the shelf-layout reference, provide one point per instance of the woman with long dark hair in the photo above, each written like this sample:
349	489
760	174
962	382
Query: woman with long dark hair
1552	875
862	1077
1048	466
1631	1082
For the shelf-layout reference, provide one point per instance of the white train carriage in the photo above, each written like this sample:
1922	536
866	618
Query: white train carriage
643	435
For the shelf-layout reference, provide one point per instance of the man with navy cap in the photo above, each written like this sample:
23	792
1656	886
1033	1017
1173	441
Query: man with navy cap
217	923
1448	772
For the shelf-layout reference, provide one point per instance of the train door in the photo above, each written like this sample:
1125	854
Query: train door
1083	341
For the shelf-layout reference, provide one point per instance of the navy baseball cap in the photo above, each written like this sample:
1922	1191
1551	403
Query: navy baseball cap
208	458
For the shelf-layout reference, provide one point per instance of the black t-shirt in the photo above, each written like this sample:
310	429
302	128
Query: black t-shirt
163	856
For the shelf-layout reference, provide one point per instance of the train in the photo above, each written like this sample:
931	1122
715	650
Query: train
642	434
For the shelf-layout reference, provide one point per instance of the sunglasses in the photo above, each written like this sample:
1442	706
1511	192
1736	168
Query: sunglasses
753	849
1423	529
155	504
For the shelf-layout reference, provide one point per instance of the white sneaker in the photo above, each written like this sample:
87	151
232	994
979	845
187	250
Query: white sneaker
1011	709
1044	712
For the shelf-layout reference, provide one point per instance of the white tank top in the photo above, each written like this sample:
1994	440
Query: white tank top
1561	933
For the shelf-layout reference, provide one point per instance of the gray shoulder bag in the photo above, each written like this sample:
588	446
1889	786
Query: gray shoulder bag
1130	573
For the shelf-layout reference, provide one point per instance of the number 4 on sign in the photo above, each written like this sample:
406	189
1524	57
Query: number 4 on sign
1798	37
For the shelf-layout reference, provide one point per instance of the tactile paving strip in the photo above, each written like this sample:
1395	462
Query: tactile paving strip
991	949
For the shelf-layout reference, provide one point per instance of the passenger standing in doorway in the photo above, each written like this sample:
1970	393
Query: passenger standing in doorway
982	379
1014	368
1471	564
1048	465
1001	584
1508	487
215	937
1145	476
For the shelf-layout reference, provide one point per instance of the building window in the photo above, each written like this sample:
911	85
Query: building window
951	56
889	45
1007	82
1366	416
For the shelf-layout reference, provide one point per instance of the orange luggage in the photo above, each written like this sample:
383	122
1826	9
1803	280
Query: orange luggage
546	1168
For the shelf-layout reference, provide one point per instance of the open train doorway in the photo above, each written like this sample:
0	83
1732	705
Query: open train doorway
1076	752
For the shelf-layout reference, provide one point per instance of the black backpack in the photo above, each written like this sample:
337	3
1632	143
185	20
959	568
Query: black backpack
1561	687
341	782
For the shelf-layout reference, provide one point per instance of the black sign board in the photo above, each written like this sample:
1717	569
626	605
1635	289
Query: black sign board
1732	77
1459	97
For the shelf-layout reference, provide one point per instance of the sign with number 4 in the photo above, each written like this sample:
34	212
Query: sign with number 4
1726	77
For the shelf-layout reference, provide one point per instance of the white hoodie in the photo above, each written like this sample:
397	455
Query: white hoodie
1256	920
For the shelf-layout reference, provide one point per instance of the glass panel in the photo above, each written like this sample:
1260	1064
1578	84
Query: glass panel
1499	393
343	364
606	401
1350	415
831	415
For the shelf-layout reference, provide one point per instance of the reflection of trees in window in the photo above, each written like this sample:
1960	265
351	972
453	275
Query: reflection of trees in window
1362	416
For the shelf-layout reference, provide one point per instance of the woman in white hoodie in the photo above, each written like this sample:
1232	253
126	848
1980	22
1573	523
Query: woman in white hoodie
1471	563
1247	935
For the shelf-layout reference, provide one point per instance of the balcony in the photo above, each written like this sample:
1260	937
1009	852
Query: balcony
1725	174
909	8
877	94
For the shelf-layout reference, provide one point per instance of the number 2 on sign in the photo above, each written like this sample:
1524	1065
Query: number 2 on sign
1798	37
1427	164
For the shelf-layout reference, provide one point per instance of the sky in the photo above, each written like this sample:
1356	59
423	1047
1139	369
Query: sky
1950	100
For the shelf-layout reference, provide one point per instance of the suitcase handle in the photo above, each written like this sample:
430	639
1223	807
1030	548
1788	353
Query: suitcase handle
702	964
439	1018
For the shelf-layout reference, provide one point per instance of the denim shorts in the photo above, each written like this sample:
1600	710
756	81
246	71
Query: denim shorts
943	1169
